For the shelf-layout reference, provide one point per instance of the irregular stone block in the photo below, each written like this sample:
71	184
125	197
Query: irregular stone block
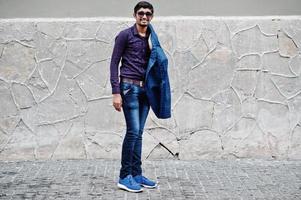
227	110
17	62
21	145
79	99
246	139
267	90
215	75
19	30
292	28
48	139
37	86
51	28
103	145
94	79
179	79
72	70
269	26
251	62
210	38
49	48
215	31
29	117
249	107
273	120
4	140
288	86
201	145
7	106
253	41
223	34
244	83
148	145
1	49
153	122
274	63
58	50
80	29
159	152
236	26
8	124
287	47
162	136
72	144
107	31
295	65
50	72
102	116
85	53
183	29
61	106
42	43
200	49
173	147
200	113
22	95
166	33
295	146
295	111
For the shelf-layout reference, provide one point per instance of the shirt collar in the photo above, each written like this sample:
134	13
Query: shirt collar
135	31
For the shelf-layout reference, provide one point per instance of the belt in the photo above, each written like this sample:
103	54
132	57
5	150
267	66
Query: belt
136	82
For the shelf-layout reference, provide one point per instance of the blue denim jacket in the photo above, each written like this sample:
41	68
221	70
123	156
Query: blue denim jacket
156	79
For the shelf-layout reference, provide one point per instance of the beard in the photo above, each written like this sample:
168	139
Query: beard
142	24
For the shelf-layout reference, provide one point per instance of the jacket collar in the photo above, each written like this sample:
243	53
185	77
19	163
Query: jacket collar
153	36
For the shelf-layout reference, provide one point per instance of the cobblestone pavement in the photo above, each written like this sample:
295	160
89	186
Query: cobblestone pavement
204	179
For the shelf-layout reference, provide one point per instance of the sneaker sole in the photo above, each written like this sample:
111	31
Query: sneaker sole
128	189
150	187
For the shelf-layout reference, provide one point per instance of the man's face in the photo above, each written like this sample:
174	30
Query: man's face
143	16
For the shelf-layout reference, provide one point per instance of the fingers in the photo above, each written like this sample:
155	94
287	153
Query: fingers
117	106
117	102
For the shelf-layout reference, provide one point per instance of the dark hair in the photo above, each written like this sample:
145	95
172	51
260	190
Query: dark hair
143	4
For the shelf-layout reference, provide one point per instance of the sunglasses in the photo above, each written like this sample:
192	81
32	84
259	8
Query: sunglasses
141	14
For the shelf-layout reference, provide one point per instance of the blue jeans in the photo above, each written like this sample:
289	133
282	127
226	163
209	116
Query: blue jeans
135	108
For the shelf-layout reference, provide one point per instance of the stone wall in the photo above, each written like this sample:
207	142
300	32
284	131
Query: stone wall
236	89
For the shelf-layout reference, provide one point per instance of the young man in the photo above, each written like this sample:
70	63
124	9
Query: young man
132	46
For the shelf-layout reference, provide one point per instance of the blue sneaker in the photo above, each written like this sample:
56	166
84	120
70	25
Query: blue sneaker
145	182
129	184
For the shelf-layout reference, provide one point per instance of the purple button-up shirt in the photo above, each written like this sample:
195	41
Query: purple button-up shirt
134	51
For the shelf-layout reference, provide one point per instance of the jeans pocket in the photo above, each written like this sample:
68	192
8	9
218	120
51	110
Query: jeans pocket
125	88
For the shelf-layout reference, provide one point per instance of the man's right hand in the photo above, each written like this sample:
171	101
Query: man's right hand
117	102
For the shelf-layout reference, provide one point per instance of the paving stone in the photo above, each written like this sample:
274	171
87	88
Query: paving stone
178	180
